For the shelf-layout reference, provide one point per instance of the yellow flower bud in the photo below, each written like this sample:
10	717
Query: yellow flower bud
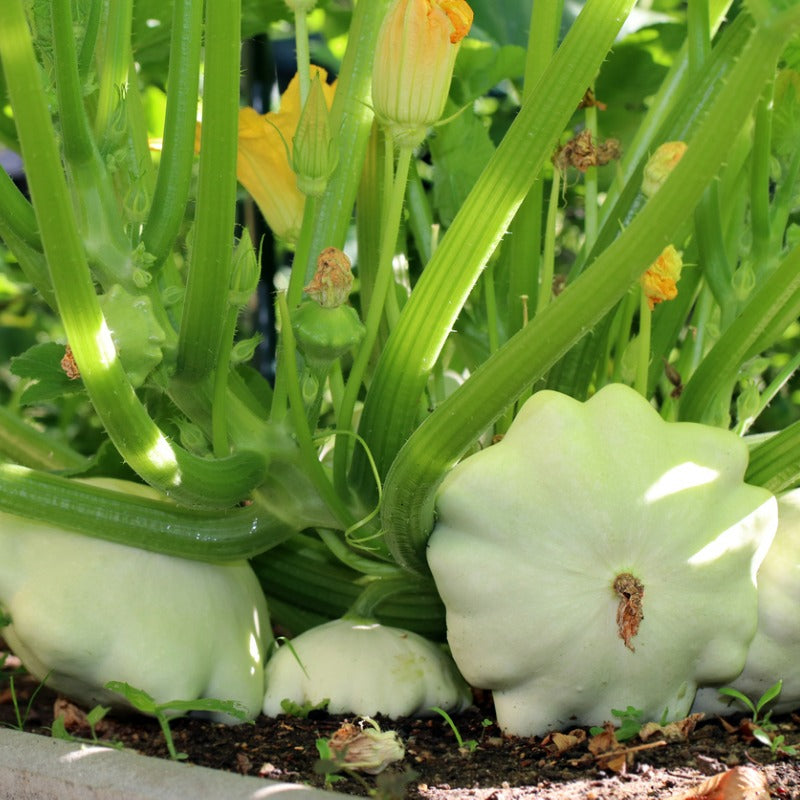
659	282
415	54
659	166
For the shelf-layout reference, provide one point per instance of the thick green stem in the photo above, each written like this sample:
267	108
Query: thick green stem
212	245
390	222
440	440
136	521
177	155
115	55
190	480
391	406
772	308
17	213
760	163
525	242
22	443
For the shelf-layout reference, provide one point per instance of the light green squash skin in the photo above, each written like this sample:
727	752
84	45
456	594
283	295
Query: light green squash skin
775	650
86	611
364	668
532	533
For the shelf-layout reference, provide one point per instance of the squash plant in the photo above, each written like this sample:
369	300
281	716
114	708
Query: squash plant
326	478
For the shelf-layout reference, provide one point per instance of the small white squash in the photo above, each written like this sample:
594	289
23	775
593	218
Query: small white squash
364	668
599	557
86	611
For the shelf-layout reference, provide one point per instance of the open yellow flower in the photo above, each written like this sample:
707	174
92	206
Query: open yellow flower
263	165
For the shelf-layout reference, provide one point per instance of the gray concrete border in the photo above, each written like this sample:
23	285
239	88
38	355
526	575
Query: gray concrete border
40	768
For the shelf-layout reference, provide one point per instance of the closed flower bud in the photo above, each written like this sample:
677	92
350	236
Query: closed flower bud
659	166
659	282
315	152
416	51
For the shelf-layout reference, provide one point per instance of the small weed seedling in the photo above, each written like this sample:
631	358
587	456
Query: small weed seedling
21	716
470	745
58	729
630	723
764	730
143	702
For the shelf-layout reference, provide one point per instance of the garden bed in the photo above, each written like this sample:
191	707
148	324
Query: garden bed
496	767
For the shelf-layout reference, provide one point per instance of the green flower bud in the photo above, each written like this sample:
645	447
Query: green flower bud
315	151
245	272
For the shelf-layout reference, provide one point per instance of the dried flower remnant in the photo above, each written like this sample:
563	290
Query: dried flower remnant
333	280
659	283
629	611
659	166
415	55
365	748
69	365
581	152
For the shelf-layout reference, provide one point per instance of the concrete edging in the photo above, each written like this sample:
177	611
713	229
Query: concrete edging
39	768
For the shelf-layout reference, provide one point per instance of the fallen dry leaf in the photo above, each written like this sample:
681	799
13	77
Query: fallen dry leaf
74	718
678	731
557	743
739	783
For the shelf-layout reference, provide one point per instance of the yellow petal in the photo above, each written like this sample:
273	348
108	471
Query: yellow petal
263	167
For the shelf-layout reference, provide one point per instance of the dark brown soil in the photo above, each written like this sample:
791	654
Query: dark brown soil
493	767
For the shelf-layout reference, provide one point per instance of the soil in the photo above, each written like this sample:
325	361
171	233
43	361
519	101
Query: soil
577	764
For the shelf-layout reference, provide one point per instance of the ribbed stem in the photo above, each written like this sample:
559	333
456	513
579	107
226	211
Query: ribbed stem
212	246
177	155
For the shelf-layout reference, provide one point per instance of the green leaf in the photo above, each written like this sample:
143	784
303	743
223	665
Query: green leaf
481	66
59	731
42	364
229	707
138	698
460	149
769	695
737	695
96	714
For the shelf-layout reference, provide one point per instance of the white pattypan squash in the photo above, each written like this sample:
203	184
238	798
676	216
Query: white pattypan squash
86	611
775	651
364	668
599	557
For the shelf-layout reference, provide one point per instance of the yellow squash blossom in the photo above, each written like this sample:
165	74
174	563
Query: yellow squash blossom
415	54
659	282
264	168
